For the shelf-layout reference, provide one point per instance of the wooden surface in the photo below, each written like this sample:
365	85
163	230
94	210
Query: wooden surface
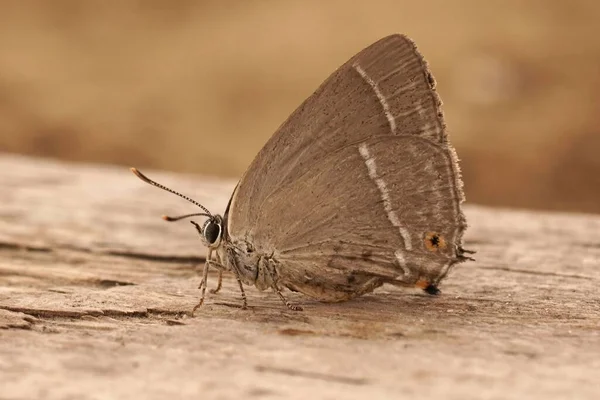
95	289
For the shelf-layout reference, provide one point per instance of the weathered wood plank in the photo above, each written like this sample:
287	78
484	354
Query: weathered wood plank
95	290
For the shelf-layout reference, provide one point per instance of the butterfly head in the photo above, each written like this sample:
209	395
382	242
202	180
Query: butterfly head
211	231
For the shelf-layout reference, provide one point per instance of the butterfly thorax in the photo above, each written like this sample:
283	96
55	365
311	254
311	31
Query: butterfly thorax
252	267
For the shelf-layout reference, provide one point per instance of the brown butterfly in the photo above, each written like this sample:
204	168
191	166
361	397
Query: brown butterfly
359	187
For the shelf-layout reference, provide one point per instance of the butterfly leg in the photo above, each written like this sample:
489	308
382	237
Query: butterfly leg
244	300
291	306
219	283
219	268
209	261
267	276
220	279
202	285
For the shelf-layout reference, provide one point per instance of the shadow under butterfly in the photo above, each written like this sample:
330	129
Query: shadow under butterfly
358	188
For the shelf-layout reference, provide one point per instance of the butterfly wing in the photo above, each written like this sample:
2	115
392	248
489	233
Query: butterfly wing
356	176
384	208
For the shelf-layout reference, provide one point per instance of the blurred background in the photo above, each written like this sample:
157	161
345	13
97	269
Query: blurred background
198	86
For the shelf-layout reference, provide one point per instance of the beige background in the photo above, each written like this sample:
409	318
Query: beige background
198	87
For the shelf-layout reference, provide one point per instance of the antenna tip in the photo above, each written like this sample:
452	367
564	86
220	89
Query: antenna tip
141	176
167	218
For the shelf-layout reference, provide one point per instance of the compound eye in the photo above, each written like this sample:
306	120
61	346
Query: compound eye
212	233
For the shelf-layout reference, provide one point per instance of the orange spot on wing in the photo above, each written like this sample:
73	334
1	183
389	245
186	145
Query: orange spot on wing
422	283
434	241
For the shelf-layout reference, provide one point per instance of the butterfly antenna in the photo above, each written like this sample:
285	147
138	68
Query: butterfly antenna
171	219
158	185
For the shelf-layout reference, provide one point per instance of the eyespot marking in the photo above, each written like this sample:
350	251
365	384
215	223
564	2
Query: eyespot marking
434	241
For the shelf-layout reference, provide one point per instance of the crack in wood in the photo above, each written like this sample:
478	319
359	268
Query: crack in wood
232	305
23	247
313	375
157	258
588	245
110	283
10	246
140	256
80	314
44	313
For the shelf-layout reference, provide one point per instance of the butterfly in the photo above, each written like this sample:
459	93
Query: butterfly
359	187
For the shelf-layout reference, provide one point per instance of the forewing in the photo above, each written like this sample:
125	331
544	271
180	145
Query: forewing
385	90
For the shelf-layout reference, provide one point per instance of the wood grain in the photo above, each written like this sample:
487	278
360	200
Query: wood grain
95	291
